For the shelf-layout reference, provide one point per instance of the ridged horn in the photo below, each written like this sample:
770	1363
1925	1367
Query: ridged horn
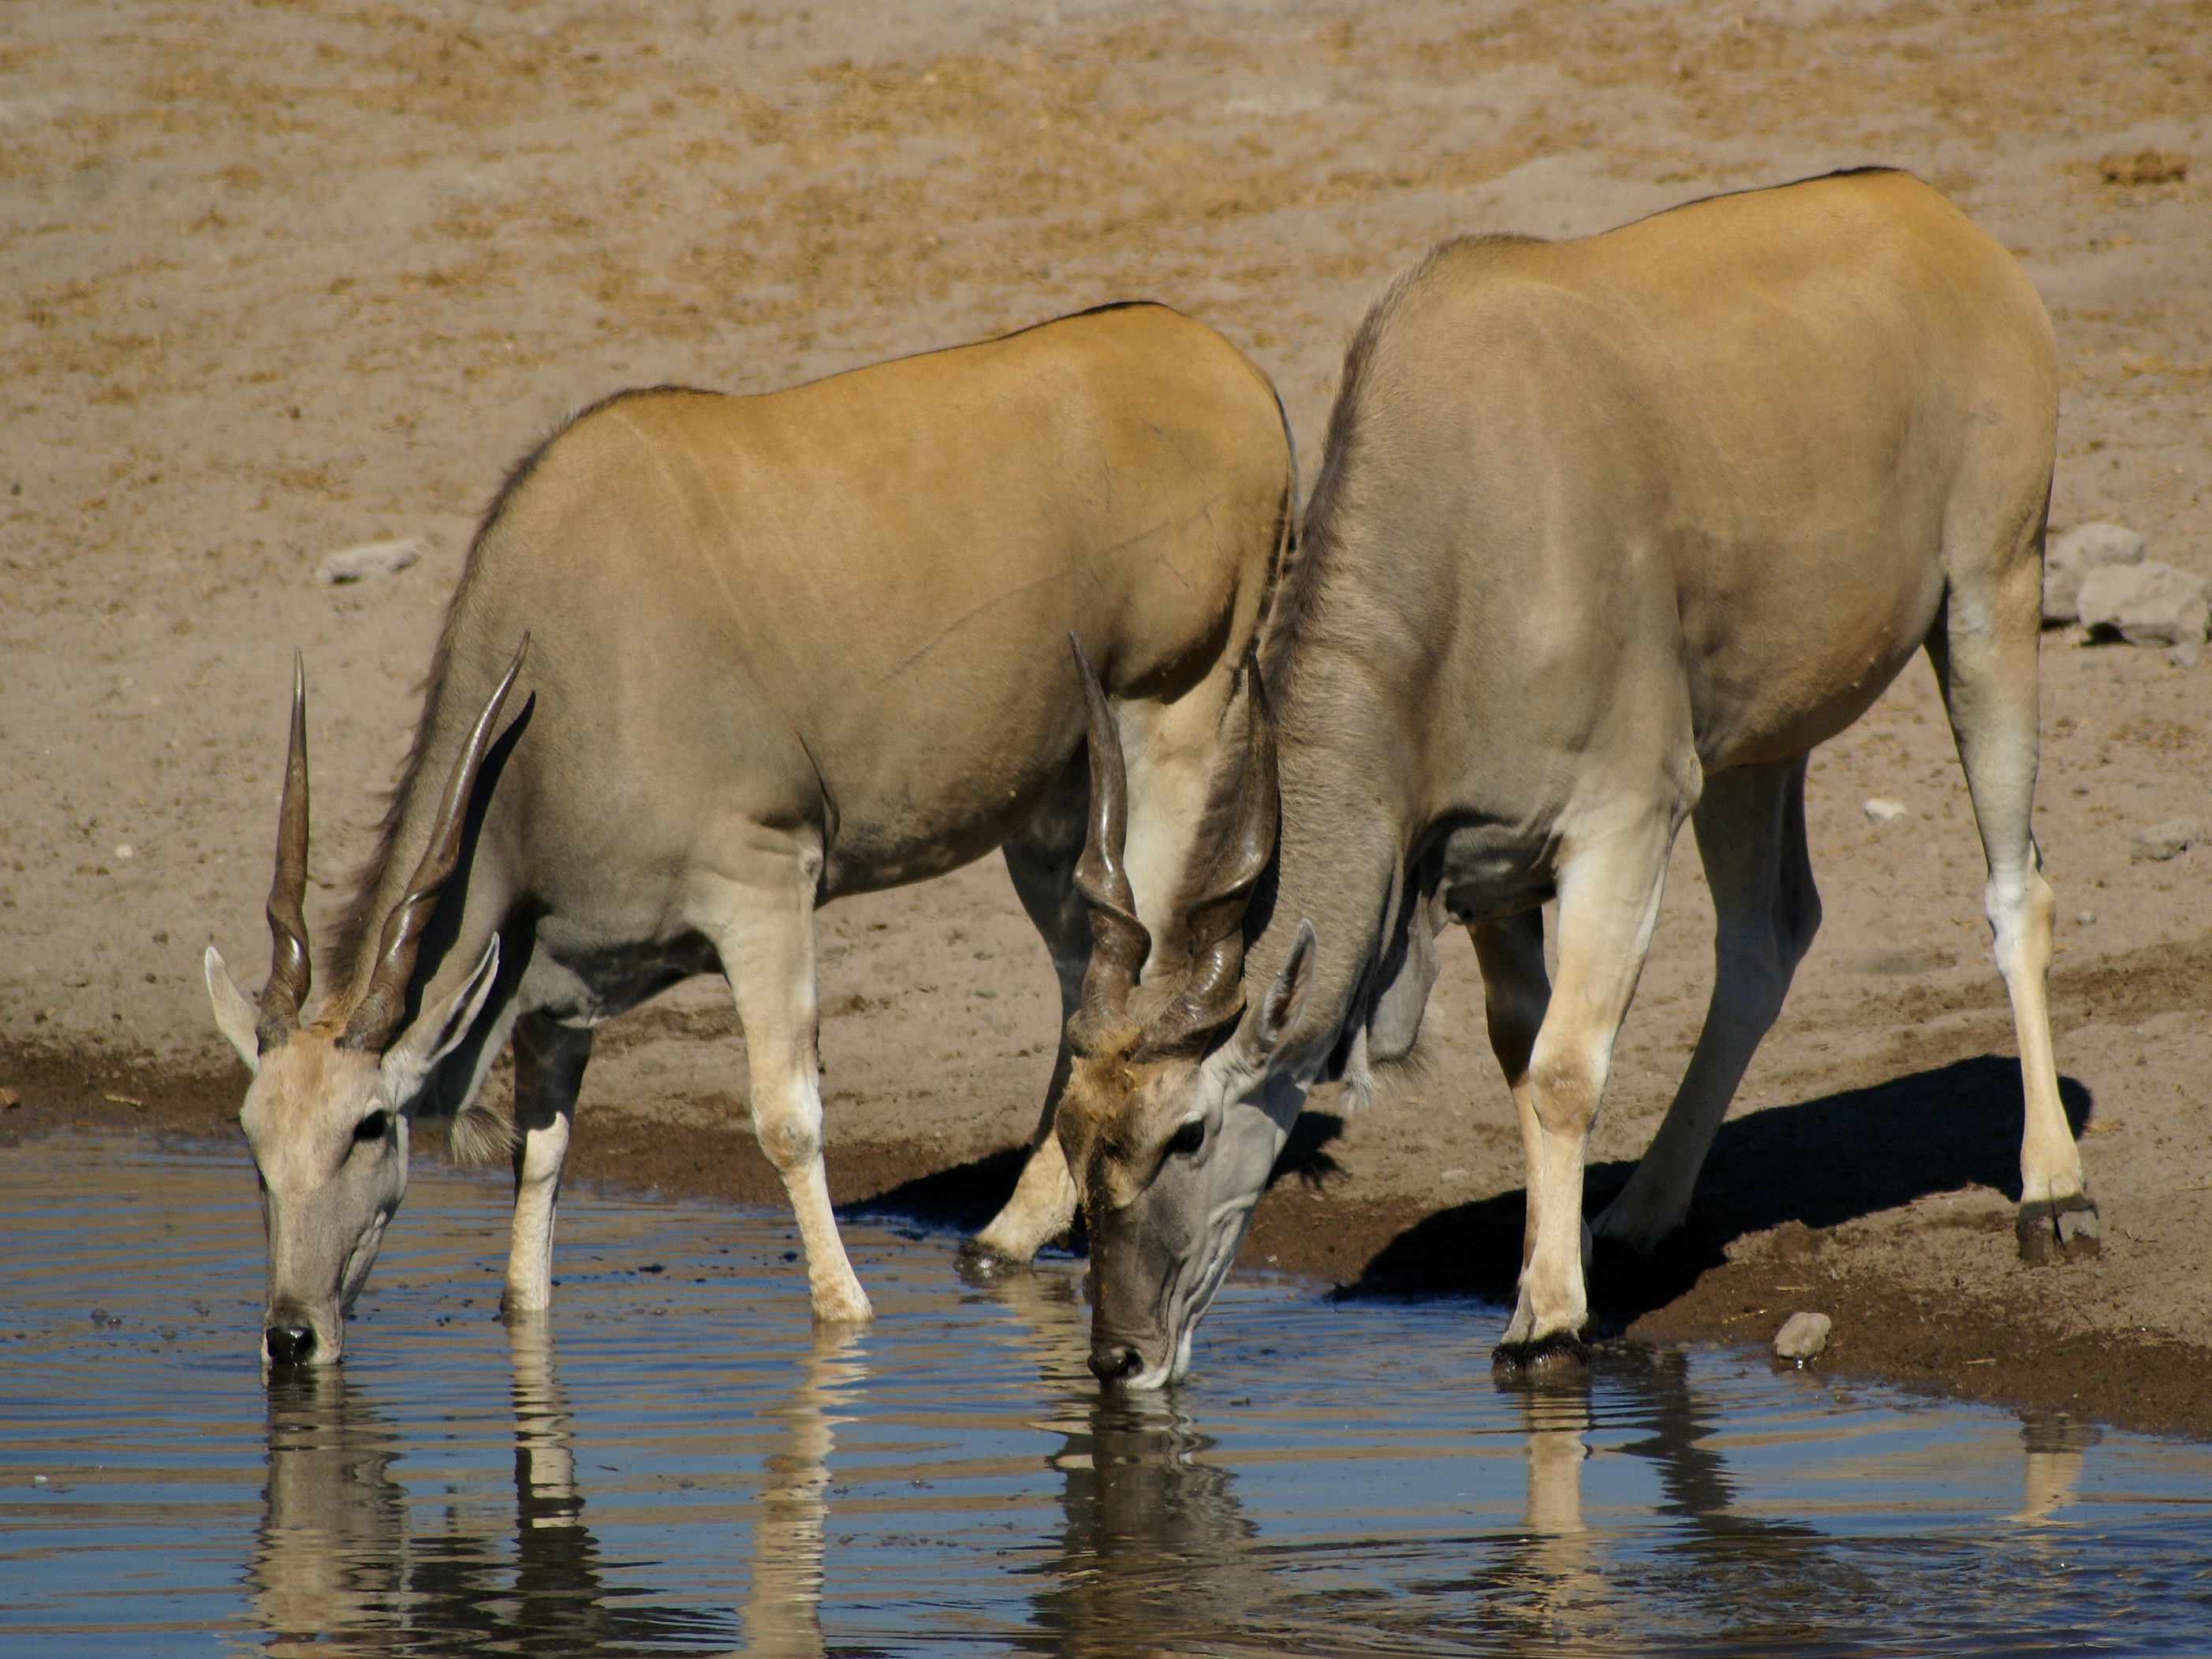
290	972
1119	942
375	1019
1211	991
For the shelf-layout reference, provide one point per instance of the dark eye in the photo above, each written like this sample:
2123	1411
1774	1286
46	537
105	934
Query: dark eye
1187	1140
372	1127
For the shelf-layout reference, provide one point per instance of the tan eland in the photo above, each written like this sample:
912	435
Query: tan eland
1609	533
780	649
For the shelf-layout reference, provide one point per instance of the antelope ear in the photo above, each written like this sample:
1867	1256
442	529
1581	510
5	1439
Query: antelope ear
1286	997
235	1014
440	1030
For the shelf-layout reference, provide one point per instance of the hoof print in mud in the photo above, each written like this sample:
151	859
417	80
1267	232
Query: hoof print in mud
1562	1357
2052	1231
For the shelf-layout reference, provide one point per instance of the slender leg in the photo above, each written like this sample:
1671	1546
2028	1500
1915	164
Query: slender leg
1609	894
762	922
1985	658
1750	825
1042	860
549	1071
1515	992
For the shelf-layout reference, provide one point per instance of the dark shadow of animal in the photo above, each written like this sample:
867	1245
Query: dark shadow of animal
1819	1163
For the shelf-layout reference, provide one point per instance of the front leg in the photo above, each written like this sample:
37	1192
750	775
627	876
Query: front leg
548	1072
1609	901
762	922
1041	859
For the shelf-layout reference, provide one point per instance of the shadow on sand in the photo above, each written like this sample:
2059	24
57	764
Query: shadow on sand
1819	1162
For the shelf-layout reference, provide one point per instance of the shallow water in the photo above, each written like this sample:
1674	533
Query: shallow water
679	1465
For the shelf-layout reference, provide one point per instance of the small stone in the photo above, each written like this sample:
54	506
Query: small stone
2184	656
1802	1335
123	850
2146	604
2164	840
2084	917
2067	558
1883	809
2147	166
9	1100
371	559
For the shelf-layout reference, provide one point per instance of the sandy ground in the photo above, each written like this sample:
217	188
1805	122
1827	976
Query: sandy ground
284	279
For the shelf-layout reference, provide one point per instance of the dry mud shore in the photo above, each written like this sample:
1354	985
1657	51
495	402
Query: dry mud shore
281	280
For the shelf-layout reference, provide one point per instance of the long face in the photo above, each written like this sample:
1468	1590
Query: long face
330	1152
324	1113
1168	1190
1173	1115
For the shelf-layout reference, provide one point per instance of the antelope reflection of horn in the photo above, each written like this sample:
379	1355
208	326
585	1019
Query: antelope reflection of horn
1241	830
783	1611
289	970
375	1019
1119	941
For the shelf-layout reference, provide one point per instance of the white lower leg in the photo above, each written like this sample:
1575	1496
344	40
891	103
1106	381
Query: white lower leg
2021	907
793	1140
538	1184
1041	1208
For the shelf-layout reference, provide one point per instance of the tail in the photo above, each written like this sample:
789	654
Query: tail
481	1134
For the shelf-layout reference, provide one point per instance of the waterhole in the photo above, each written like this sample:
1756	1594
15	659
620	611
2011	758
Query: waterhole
677	1464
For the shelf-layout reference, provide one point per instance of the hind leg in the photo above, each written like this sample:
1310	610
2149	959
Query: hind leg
1750	825
1041	857
549	1072
759	912
1984	655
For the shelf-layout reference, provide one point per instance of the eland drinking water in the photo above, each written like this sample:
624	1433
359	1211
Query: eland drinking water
780	649
1609	534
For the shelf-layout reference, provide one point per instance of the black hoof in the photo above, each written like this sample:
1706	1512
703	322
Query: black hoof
1563	1357
979	1264
2055	1230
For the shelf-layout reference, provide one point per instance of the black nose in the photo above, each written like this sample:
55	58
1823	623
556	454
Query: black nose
289	1344
1112	1364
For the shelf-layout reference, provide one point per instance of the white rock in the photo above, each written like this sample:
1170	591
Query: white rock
1883	809
372	559
2067	558
2167	840
2182	656
1802	1336
2146	604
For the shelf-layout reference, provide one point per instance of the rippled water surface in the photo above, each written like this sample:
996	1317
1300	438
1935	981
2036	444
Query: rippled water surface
679	1465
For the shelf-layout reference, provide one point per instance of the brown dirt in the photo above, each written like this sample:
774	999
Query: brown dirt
285	278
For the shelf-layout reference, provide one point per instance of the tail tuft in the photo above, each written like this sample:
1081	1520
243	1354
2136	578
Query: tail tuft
481	1134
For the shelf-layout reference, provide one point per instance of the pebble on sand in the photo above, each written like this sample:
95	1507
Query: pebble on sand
1802	1336
1883	809
2164	840
371	559
2071	556
2145	603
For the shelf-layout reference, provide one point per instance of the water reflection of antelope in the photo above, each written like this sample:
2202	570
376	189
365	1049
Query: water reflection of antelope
344	1567
783	1611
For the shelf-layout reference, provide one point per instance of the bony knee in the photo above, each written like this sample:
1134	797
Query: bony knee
790	1146
1565	1094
